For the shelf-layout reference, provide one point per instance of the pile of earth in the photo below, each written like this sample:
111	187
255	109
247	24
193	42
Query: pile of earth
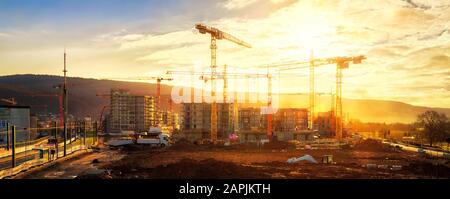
430	169
183	144
373	146
207	168
95	174
273	145
278	145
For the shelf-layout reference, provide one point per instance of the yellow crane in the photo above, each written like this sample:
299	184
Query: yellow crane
225	76
216	34
341	63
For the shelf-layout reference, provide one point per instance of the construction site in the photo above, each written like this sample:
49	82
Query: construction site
236	130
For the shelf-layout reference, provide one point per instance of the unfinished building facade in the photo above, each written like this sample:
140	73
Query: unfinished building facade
196	120
291	120
131	112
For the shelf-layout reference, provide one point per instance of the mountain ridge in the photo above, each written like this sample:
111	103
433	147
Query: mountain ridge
83	101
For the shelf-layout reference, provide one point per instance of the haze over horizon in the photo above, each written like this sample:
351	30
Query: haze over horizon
407	43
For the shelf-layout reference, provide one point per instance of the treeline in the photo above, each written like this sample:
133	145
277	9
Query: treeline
359	126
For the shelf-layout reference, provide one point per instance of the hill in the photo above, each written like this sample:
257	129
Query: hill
36	90
26	89
365	110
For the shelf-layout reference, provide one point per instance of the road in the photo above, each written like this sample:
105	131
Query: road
416	149
71	168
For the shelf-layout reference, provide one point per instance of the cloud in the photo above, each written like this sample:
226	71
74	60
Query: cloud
417	5
407	44
2	34
238	4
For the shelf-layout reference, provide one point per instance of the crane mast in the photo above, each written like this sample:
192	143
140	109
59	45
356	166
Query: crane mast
311	93
269	105
213	89
341	63
216	34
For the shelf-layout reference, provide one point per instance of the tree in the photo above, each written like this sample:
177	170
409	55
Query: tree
435	126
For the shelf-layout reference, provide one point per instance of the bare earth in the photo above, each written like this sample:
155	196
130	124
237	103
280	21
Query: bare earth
186	160
72	168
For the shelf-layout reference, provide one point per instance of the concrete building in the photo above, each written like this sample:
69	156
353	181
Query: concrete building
18	116
290	120
251	119
131	112
324	123
196	120
171	120
252	125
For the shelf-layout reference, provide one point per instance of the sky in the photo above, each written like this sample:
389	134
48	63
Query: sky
406	42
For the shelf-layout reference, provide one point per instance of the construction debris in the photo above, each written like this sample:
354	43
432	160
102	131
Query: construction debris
371	166
396	167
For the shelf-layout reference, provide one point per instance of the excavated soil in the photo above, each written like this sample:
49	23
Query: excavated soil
374	145
368	159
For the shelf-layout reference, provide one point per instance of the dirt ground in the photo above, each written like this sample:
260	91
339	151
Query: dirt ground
369	159
84	166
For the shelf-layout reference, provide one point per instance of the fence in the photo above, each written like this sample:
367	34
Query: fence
15	156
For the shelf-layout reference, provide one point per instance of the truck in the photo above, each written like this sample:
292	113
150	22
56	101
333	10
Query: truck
119	142
154	137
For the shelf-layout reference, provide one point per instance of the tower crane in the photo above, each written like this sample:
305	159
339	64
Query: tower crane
332	96
225	76
158	90
341	63
235	104
11	101
216	34
103	109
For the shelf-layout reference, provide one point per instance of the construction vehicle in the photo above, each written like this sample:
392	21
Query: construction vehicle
154	137
216	34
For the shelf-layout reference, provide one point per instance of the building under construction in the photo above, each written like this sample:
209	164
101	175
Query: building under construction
325	123
170	120
291	120
131	112
196	120
289	123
